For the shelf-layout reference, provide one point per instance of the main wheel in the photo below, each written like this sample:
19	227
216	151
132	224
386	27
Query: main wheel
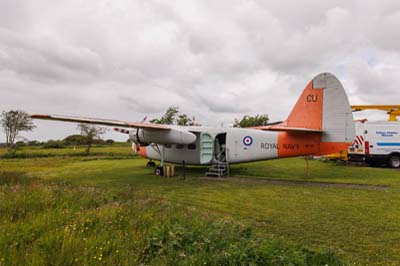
150	164
159	171
394	161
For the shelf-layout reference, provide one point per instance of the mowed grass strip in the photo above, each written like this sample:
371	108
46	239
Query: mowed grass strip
359	225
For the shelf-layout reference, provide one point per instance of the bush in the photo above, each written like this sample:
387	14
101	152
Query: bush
34	143
75	140
54	144
20	143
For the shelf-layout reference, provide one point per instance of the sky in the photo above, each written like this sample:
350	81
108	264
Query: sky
215	60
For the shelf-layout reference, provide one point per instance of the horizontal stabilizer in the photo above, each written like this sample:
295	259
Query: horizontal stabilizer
291	129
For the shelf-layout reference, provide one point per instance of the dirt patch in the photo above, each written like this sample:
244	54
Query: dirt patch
298	183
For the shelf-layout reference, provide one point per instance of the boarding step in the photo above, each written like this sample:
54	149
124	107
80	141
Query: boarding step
218	169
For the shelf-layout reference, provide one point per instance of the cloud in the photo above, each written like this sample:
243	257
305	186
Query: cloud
46	59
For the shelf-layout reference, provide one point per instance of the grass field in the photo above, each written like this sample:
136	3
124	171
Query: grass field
109	209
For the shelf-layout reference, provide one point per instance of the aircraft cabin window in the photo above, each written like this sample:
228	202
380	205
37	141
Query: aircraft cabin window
191	146
180	146
168	146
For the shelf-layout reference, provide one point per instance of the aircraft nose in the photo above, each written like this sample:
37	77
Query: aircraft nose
143	152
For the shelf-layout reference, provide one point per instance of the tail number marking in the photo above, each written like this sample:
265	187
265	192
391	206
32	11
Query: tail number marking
312	98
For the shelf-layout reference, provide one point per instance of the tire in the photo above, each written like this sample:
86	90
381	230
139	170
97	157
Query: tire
151	164
394	161
159	171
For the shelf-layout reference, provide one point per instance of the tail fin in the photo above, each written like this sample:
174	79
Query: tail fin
321	121
324	106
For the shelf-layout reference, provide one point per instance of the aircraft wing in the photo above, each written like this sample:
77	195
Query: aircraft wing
148	133
104	122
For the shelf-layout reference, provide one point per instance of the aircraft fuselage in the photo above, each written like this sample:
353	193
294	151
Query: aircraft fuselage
236	145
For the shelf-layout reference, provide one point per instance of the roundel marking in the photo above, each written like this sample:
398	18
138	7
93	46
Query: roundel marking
247	141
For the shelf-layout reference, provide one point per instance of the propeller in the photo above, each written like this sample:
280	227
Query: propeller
121	130
134	137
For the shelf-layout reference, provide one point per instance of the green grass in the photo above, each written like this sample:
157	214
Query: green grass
116	150
321	171
155	220
58	223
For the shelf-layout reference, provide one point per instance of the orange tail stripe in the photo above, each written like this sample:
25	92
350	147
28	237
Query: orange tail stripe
307	112
333	147
298	144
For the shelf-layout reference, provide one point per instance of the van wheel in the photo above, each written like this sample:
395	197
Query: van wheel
394	161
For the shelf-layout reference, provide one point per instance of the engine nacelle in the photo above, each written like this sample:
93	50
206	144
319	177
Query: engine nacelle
134	136
145	136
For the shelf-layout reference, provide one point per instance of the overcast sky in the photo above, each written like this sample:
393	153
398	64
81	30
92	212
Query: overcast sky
216	60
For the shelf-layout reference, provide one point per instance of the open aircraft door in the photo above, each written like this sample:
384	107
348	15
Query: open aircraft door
206	148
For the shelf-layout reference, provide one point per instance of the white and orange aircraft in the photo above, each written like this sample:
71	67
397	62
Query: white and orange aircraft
320	123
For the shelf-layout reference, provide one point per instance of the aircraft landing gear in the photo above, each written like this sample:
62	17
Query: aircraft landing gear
150	164
159	171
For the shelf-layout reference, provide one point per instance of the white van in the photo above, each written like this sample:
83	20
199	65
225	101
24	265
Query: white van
376	143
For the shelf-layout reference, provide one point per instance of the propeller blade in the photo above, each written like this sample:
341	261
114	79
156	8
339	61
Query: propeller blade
121	130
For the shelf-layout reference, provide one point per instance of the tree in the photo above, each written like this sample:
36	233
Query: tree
14	122
172	117
90	133
184	120
168	118
252	121
75	140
